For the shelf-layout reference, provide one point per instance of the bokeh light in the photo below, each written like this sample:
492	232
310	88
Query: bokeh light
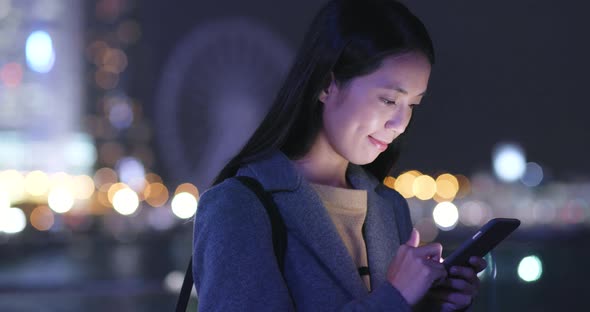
42	218
61	179
445	215
13	183
104	176
108	10
36	183
83	187
121	115
474	213
405	182
156	194
173	281
60	199
12	220
533	175
125	201
184	205
153	178
114	188
39	51
105	79
424	187
113	61
509	162
464	186
11	74
95	51
102	196
389	181
131	172
447	186
187	188
530	269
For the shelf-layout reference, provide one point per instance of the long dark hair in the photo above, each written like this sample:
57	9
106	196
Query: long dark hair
348	38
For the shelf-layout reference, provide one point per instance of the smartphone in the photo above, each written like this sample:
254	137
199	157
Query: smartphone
490	235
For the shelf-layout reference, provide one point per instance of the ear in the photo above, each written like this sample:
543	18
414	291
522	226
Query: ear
328	90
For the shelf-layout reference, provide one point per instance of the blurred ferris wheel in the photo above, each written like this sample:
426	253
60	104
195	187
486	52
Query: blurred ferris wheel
214	91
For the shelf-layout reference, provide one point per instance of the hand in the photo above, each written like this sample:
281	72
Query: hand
457	291
415	269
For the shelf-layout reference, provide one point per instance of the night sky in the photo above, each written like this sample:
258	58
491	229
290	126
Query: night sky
506	71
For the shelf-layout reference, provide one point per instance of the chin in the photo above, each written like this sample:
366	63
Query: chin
363	159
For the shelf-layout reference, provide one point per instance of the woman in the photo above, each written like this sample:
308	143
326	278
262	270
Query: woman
322	152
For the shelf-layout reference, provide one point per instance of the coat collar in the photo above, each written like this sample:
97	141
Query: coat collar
306	217
276	172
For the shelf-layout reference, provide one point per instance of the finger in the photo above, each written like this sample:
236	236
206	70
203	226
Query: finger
414	239
479	264
459	285
437	272
431	251
466	273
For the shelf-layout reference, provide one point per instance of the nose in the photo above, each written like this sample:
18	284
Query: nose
399	121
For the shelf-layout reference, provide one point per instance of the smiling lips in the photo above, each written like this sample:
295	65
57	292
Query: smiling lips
382	146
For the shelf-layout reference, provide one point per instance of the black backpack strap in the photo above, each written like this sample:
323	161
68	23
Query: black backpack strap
279	231
279	238
187	287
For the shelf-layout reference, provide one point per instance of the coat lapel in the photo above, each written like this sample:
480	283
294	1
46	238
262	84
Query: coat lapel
306	217
313	226
381	235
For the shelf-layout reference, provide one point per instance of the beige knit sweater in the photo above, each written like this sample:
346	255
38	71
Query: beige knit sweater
348	208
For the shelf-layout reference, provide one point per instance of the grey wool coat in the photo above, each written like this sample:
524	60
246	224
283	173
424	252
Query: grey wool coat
234	265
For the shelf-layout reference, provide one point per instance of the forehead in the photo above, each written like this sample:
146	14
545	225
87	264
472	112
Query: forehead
408	71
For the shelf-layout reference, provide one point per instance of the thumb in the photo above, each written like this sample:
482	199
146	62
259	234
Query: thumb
414	239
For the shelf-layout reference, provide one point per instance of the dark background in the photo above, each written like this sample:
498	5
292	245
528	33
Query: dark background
505	71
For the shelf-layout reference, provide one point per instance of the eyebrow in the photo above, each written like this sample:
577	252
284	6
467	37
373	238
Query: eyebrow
401	90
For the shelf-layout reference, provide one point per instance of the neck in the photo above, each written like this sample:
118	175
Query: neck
322	165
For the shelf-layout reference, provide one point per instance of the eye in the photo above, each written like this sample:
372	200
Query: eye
387	102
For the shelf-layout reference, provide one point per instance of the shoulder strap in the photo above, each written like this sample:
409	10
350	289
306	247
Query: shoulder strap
279	238
279	231
187	287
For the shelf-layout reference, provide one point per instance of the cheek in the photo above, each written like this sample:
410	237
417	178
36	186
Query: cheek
353	117
342	114
407	117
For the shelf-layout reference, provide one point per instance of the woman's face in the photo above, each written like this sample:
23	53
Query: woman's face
363	116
